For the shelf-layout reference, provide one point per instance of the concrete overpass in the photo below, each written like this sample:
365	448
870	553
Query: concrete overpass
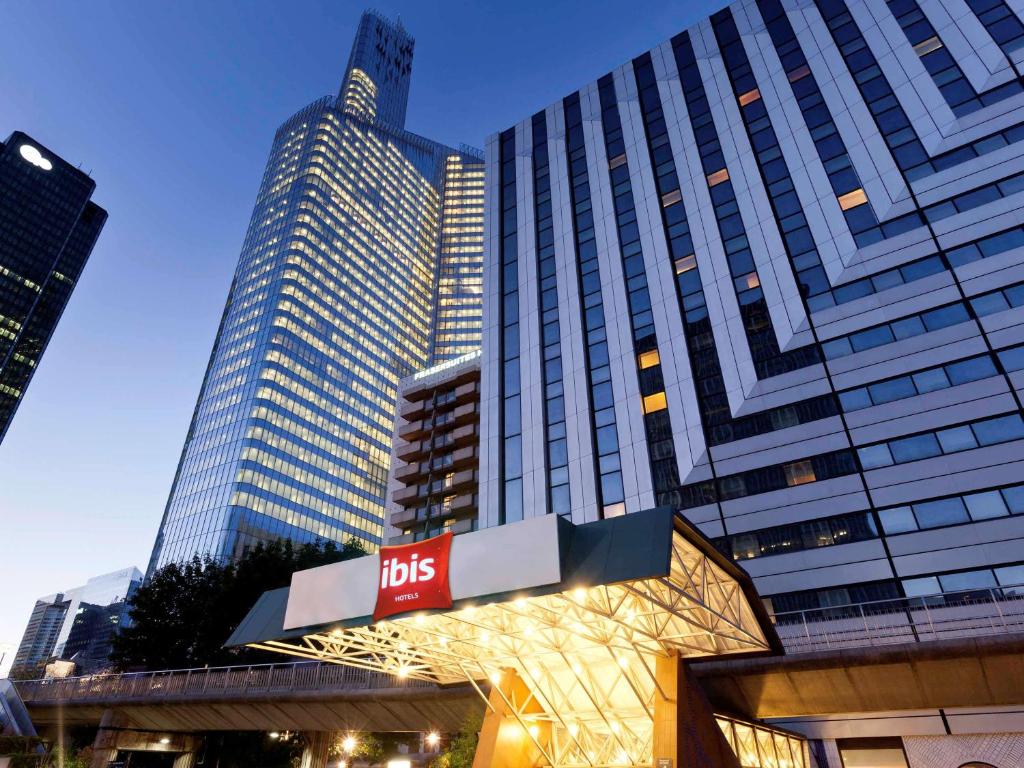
273	697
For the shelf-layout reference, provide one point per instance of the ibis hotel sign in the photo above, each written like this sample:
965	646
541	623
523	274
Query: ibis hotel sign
414	577
434	574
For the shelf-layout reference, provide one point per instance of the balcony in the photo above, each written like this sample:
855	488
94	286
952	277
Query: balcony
947	616
453	483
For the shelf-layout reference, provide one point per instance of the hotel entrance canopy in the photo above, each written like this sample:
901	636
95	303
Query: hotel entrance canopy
577	616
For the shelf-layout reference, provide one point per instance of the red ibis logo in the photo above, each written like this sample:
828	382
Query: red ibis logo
414	577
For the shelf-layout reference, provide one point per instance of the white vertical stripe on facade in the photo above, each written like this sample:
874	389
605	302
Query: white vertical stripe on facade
968	42
777	280
490	366
530	357
582	486
636	155
687	433
625	386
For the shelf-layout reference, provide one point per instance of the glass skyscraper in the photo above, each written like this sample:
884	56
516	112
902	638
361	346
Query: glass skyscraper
363	237
48	227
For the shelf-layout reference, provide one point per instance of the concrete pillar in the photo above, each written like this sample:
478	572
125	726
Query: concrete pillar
104	746
504	742
314	755
685	730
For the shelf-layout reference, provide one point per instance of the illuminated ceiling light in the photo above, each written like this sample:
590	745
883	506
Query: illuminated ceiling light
403	671
623	662
520	602
165	740
577	668
35	157
349	744
420	618
534	731
495	677
433	739
336	633
574	730
274	735
485	636
580	594
615	727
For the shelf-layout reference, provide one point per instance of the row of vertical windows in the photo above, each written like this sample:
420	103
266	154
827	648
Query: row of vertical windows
960	581
975	198
927	380
823	131
772	478
796	537
953	510
983	248
924	322
942	442
700	341
861	526
657	424
892	121
511	464
611	496
555	437
1001	23
939	63
768	359
897	330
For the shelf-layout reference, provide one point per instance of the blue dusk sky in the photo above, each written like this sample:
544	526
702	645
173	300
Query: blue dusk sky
172	107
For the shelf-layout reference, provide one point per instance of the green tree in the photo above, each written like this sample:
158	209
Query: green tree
462	749
184	613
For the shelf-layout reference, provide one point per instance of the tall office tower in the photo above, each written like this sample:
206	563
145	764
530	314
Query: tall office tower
78	622
770	273
48	227
40	636
333	301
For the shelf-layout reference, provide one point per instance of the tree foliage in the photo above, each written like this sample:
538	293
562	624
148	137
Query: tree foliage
184	613
462	749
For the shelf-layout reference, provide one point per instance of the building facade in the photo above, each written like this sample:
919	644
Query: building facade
770	273
77	624
48	227
433	481
363	237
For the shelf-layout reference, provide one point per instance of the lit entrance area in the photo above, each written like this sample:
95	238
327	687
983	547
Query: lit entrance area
576	637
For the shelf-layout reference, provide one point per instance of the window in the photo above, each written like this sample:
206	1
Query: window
716	178
799	472
654	403
852	199
649	359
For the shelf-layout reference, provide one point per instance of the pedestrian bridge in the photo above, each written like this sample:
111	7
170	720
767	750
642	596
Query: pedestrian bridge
272	697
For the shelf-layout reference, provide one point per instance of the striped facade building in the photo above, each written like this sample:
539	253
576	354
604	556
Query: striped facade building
770	273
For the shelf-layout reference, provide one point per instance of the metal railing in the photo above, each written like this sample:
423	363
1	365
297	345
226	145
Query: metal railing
951	615
211	683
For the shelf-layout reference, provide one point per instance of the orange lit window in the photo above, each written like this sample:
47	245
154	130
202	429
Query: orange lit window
649	359
799	73
748	281
685	264
718	177
616	161
614	510
852	199
671	197
799	472
749	96
927	46
654	403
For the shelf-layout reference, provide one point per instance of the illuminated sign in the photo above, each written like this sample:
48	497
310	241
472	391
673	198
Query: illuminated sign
34	156
414	577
